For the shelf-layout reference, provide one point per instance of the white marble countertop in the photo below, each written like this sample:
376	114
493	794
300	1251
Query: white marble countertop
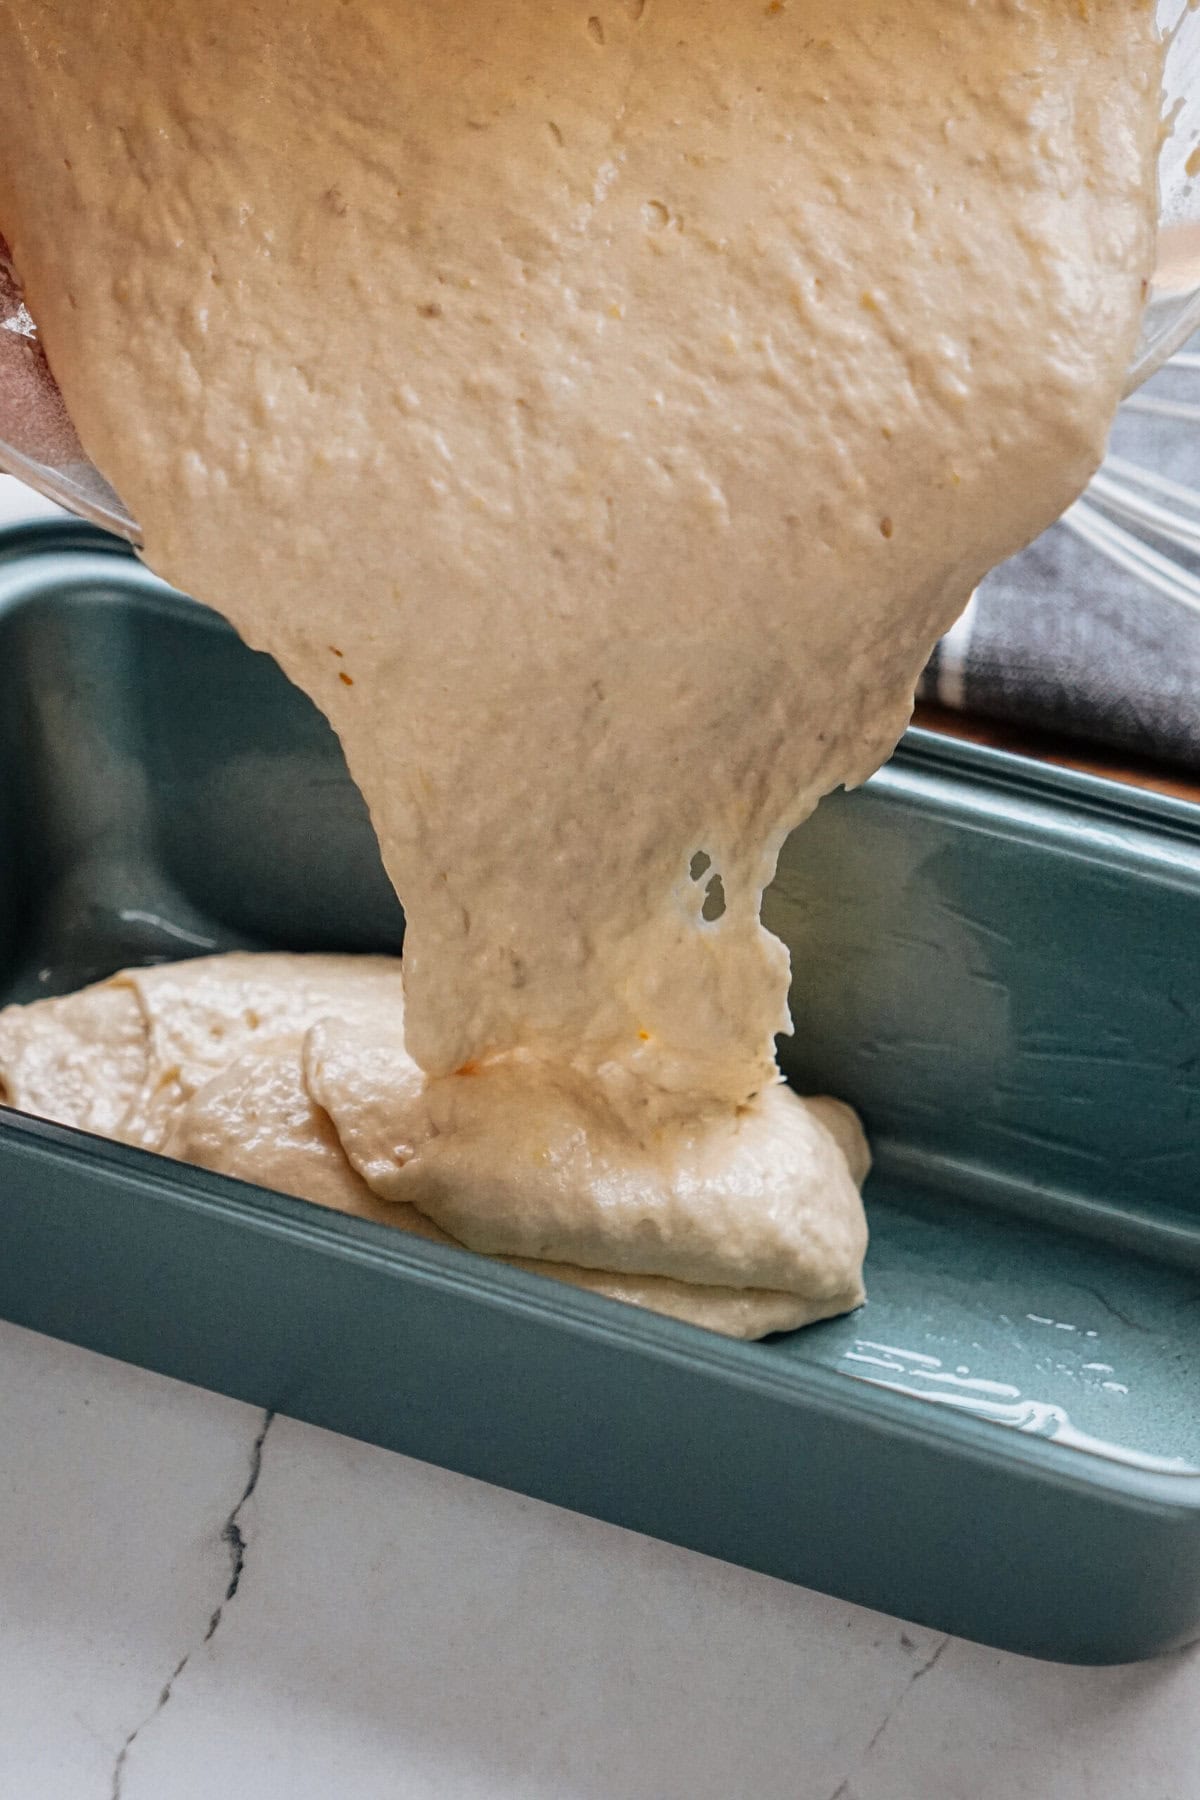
197	1603
201	1604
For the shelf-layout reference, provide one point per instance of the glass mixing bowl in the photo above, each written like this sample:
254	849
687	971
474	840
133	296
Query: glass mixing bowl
38	443
1173	309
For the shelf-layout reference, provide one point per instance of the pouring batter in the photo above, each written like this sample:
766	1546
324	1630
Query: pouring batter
599	410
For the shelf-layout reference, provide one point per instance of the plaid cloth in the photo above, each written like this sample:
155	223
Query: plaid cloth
1064	637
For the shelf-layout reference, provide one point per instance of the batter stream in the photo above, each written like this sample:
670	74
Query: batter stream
599	409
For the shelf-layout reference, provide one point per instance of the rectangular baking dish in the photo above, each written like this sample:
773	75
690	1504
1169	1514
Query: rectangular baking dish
995	962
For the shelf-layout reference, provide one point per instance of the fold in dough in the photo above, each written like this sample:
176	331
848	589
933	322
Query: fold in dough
201	1015
257	1120
511	1164
291	1072
123	1057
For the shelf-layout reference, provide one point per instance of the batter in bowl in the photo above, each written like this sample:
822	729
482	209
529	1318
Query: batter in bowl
599	410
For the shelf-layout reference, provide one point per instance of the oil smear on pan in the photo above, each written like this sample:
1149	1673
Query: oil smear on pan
925	1377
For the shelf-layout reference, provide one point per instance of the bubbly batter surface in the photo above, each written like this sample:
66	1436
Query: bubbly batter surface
599	409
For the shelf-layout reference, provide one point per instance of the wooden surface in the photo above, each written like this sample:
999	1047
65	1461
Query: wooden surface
1069	755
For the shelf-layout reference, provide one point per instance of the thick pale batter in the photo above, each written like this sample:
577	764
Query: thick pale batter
291	1071
599	409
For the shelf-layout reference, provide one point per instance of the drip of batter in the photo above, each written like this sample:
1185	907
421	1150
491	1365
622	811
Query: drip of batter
599	409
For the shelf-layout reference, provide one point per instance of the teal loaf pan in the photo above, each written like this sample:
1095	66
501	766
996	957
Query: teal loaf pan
995	962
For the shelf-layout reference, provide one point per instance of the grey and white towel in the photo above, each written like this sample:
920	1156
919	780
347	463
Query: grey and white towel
1094	631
